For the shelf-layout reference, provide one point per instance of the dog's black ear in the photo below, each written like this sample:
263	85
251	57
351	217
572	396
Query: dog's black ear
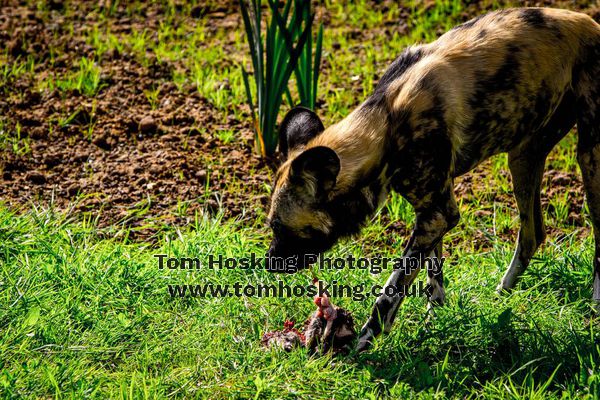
297	128
315	170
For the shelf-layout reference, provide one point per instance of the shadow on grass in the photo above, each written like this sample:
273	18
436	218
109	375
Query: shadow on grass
495	348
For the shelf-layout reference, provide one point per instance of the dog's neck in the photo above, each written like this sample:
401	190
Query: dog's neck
359	141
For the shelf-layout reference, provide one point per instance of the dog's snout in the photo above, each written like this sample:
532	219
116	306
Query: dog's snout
271	258
272	251
278	260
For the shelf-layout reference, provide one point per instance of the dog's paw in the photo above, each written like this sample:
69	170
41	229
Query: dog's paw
503	289
365	340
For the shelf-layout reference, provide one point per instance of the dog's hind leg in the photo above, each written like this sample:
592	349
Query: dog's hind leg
526	170
588	157
588	148
526	164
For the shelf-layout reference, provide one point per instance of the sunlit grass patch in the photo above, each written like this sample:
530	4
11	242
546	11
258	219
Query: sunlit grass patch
102	304
14	140
85	79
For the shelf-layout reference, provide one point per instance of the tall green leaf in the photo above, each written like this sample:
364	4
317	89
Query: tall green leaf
287	48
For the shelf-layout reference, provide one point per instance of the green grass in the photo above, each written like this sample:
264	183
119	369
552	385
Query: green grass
85	80
13	140
83	316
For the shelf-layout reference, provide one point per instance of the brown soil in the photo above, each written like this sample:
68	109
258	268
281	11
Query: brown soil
140	167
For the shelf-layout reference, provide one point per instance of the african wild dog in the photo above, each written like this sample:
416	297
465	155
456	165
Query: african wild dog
512	81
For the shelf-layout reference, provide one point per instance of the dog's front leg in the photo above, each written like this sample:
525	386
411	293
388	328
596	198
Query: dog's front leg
431	225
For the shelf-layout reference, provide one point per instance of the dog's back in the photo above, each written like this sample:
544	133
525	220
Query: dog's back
494	80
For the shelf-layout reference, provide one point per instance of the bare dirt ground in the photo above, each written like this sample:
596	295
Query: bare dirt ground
140	165
158	161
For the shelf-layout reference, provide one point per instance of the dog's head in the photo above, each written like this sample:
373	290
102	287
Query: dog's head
300	214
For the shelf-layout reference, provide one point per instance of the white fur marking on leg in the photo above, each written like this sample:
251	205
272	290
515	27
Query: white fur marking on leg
512	273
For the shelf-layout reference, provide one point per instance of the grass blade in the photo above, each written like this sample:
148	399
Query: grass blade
248	93
317	66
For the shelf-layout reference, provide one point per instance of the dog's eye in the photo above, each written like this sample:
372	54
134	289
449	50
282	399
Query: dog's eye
310	231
